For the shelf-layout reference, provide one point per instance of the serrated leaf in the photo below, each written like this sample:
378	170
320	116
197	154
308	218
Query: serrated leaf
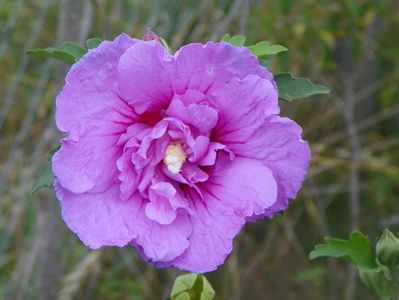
44	178
264	48
291	88
192	287
356	250
93	43
236	40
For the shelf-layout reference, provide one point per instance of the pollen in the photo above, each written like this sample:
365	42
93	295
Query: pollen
174	157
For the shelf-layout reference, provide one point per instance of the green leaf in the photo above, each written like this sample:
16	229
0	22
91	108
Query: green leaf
291	88
44	178
264	48
165	44
309	275
73	49
53	53
52	152
68	52
192	287
378	278
236	40
375	280
93	43
387	249
356	250
183	296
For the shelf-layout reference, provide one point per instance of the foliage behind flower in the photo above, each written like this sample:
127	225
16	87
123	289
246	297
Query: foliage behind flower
172	154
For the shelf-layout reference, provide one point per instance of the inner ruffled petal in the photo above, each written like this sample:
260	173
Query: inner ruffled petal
127	175
201	116
164	202
172	151
159	207
191	96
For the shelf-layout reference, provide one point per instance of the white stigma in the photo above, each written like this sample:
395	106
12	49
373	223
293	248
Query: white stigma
174	158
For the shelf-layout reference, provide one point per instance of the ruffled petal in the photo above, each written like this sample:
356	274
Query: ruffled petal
200	67
245	185
87	164
191	97
160	211
157	242
214	227
99	219
144	76
235	190
164	202
88	101
199	149
193	173
278	144
243	105
202	117
128	177
210	157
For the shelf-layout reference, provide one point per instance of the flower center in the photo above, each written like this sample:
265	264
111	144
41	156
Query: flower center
174	157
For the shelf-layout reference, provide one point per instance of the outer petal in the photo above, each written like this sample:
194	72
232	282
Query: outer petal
199	67
236	190
245	185
144	76
243	105
278	144
88	101
214	227
156	242
87	164
99	219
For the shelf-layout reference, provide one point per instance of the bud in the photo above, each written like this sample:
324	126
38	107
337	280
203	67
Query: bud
387	249
150	35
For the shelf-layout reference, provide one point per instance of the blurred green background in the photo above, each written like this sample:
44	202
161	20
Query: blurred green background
353	183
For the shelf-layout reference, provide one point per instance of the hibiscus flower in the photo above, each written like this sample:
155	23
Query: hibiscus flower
173	154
